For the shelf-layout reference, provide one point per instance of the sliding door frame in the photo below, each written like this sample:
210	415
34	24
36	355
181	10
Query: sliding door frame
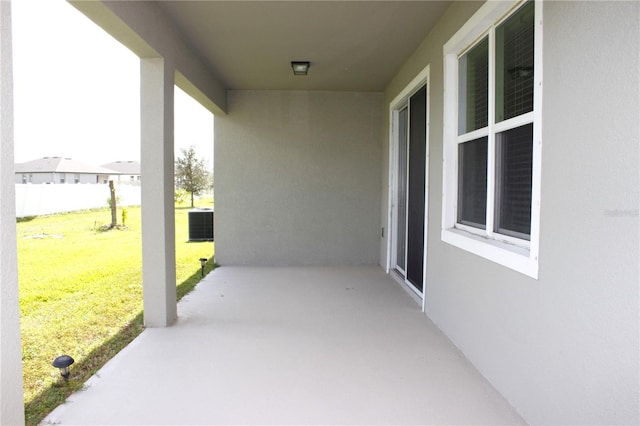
396	105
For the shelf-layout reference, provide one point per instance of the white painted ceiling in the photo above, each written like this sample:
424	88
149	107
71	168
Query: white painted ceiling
352	45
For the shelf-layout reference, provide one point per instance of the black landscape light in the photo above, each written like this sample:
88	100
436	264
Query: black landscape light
203	261
63	362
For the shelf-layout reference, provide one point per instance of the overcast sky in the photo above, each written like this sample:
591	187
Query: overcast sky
77	91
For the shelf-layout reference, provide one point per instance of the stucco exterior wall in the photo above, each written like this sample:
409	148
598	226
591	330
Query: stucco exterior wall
11	390
563	349
297	178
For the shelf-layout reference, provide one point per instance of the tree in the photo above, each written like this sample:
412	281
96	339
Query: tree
192	174
113	202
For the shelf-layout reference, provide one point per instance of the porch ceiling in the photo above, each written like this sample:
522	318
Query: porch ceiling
352	45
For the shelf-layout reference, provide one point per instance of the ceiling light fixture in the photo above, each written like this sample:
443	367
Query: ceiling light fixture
300	67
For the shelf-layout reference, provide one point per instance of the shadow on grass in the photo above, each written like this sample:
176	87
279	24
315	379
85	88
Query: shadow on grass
189	284
38	408
25	219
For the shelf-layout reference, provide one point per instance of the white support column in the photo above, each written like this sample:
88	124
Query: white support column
158	214
11	396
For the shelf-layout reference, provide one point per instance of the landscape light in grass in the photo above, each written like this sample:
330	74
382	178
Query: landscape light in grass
203	260
63	362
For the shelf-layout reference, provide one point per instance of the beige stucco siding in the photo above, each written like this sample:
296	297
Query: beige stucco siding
563	349
297	178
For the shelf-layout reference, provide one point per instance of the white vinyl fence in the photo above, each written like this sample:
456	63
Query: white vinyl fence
41	199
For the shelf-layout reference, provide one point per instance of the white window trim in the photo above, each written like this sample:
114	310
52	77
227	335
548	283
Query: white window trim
513	253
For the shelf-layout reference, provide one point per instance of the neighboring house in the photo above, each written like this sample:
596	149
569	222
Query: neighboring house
128	171
60	170
485	155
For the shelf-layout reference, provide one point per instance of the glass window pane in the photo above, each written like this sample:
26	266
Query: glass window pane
473	90
514	64
472	183
513	181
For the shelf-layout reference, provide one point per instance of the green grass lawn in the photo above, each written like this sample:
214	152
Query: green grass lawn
81	294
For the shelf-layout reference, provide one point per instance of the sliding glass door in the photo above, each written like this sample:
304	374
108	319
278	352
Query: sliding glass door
410	189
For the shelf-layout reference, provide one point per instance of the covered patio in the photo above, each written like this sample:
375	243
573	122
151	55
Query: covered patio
392	154
305	345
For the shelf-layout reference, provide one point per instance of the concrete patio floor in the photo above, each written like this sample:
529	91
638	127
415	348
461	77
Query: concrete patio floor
290	346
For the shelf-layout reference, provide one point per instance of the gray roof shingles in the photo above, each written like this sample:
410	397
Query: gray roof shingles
124	167
62	165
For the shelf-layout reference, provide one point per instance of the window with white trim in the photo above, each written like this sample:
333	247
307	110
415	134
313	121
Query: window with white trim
492	135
